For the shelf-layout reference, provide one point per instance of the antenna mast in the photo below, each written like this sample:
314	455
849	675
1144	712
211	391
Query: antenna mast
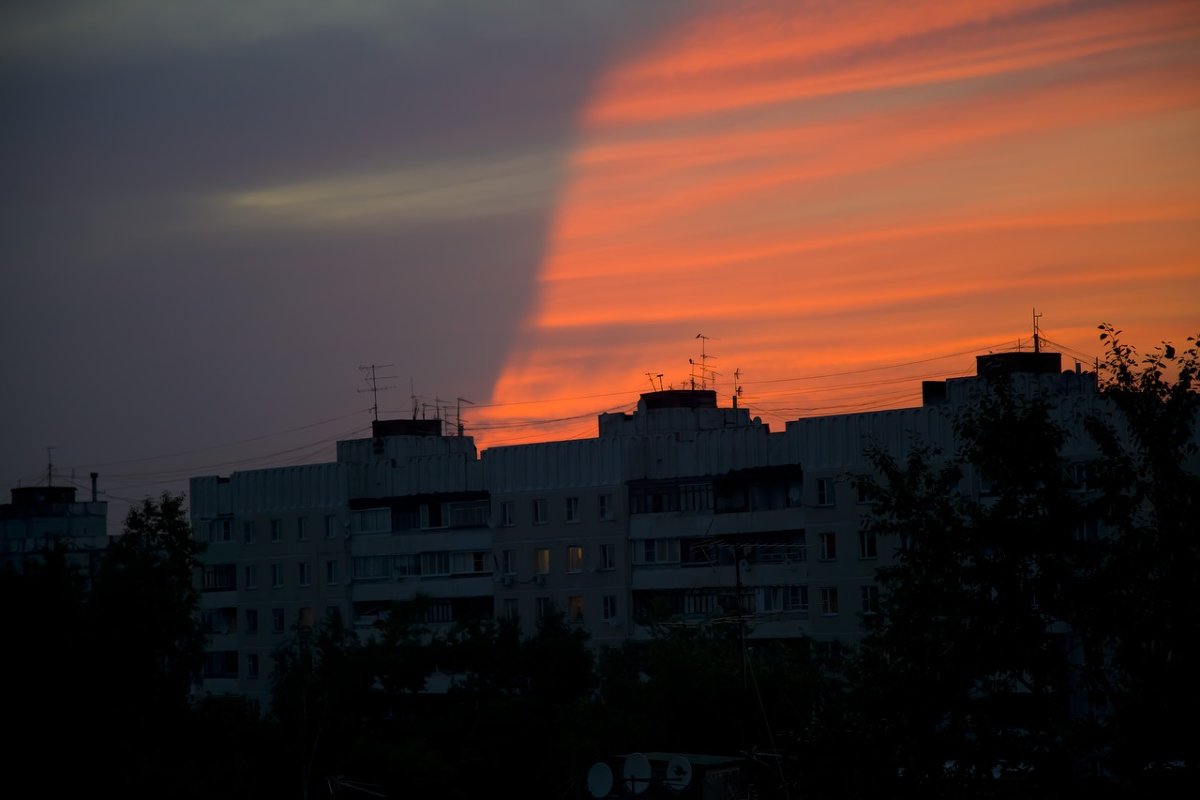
1037	339
373	385
50	464
705	373
458	413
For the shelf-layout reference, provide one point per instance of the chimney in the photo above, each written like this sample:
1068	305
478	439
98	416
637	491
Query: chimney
94	476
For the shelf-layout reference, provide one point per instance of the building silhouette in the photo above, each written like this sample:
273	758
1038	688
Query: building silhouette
683	511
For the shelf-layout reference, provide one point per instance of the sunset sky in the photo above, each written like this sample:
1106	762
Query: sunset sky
217	212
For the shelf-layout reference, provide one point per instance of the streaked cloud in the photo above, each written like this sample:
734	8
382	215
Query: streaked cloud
459	189
829	187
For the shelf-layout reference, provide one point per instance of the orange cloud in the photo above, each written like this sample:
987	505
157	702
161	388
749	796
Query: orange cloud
843	187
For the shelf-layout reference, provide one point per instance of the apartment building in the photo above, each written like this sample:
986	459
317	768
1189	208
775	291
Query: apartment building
42	517
682	512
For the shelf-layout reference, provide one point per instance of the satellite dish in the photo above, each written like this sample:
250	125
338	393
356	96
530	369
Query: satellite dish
636	773
600	780
679	773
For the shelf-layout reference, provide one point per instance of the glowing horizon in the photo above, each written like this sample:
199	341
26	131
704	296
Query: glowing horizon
834	189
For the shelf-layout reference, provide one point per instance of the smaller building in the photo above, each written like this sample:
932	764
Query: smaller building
40	518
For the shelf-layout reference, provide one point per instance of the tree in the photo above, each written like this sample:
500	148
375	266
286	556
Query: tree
1010	639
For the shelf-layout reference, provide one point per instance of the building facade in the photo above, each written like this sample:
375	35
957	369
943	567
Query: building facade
681	512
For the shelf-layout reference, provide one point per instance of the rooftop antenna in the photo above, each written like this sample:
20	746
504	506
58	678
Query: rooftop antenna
373	385
50	464
1037	341
458	413
737	388
412	395
705	373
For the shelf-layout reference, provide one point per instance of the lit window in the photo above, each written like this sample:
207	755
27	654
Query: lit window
575	609
572	509
541	560
574	558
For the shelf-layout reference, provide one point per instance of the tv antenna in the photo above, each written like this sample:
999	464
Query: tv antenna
1037	339
705	372
458	413
373	385
737	387
652	376
50	464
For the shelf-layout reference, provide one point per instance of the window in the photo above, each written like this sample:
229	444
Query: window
572	509
304	573
510	607
696	497
406	566
829	600
277	621
795	598
333	613
609	607
371	568
306	617
249	535
606	507
220	577
574	558
770	599
469	563
276	530
251	620
824	491
541	560
867	547
301	529
607	560
277	575
331	526
251	575
506	513
543	605
865	491
331	572
539	512
220	664
828	546
433	515
659	551
870	599
373	520
575	609
510	562
221	530
252	665
435	563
